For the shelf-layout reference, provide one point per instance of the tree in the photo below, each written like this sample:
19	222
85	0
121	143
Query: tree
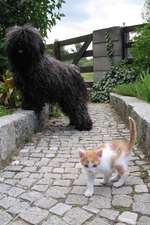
146	10
42	14
141	49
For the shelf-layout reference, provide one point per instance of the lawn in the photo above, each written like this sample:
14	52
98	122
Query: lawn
139	89
4	111
87	76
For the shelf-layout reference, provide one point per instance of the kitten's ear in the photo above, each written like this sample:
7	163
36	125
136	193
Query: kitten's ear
81	153
99	152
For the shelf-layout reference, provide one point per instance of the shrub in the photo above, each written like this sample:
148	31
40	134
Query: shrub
9	96
118	74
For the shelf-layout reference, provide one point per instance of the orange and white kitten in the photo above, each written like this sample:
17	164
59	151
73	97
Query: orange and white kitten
109	157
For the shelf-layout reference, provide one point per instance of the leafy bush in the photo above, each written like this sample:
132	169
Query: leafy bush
140	88
9	96
141	48
118	74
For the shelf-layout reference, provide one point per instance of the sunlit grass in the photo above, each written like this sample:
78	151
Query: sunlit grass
139	89
88	76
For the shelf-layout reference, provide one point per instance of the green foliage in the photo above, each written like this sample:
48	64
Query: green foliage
9	96
41	14
118	74
140	88
141	48
55	111
109	46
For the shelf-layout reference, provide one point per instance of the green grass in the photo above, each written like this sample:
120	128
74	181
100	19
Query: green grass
139	89
88	76
5	111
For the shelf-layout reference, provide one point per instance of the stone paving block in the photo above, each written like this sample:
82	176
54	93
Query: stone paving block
45	203
128	217
8	174
13	168
7	202
60	209
34	215
19	222
40	187
141	188
103	191
91	209
74	199
98	221
78	190
54	220
109	214
18	207
58	192
100	202
134	180
26	182
142	203
31	196
122	190
22	175
5	218
63	183
144	220
4	188
76	216
15	191
122	200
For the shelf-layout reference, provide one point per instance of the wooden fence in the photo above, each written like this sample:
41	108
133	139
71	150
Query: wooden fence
126	41
124	44
75	57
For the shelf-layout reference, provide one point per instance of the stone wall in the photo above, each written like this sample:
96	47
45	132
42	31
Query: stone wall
100	58
139	110
18	128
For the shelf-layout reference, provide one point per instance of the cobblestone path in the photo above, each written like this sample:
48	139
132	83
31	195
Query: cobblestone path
44	184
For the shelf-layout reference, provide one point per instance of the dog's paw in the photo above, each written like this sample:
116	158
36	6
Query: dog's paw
88	193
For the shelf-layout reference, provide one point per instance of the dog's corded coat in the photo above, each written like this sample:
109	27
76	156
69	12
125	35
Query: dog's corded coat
42	79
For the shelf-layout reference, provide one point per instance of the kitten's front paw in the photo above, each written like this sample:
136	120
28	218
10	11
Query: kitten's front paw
88	193
104	182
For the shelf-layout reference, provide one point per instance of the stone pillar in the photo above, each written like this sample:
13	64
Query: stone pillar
101	61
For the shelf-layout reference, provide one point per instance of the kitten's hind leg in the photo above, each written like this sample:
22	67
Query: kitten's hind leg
107	176
123	173
90	185
114	178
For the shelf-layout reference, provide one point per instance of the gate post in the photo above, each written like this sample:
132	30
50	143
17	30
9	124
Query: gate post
100	59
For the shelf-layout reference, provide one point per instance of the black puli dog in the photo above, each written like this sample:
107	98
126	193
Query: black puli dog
42	79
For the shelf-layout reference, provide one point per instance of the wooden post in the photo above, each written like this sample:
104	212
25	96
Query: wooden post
57	50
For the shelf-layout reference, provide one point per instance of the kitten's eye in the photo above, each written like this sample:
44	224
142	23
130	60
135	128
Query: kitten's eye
94	165
86	165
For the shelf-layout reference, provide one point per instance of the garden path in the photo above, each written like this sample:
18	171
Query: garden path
44	184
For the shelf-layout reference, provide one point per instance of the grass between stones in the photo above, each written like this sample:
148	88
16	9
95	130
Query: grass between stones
122	209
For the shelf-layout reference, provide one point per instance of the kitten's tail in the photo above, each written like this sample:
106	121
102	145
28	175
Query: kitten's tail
132	127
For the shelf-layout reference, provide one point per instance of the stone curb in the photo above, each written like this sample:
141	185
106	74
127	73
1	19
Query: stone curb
140	111
16	129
